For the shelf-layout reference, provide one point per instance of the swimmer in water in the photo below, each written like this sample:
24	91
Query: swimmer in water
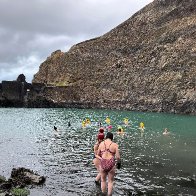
109	127
166	132
55	128
120	131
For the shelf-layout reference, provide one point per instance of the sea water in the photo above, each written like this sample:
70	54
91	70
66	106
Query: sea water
152	163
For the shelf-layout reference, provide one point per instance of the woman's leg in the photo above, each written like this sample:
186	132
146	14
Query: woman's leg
103	181
111	175
97	165
98	177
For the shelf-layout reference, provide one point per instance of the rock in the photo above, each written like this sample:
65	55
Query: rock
2	179
20	178
23	177
6	186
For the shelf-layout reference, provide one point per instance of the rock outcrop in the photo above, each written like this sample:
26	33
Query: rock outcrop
20	178
19	93
147	63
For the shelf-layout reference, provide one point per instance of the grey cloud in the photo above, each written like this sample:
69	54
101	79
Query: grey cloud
65	16
33	29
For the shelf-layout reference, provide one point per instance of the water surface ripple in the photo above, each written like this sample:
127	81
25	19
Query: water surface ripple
152	164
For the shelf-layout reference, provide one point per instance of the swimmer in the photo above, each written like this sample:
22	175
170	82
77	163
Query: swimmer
69	124
96	161
166	132
126	121
83	124
120	131
99	124
55	128
109	127
142	125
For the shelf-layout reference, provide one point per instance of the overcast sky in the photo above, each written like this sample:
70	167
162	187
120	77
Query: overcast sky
30	30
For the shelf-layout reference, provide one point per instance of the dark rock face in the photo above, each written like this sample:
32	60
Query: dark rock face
11	93
19	93
147	63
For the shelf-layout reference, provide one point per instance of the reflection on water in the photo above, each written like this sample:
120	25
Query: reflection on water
152	164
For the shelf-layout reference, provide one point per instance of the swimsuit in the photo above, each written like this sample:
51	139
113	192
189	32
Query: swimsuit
107	164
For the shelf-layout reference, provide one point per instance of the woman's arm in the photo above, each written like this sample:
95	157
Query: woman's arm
95	148
117	153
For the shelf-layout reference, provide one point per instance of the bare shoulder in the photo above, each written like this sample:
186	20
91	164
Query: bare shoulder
115	145
101	144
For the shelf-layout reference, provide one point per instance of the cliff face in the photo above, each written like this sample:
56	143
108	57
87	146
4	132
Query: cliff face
147	63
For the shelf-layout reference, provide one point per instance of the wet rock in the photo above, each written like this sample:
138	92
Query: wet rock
190	183
23	177
20	178
6	186
2	179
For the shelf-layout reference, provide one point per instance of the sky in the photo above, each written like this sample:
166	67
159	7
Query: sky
30	30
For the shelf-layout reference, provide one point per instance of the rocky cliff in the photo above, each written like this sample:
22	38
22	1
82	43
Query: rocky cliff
147	63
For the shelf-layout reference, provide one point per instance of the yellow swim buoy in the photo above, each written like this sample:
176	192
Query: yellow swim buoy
107	120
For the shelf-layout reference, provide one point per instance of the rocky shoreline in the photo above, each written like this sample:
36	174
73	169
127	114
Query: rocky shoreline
42	96
21	178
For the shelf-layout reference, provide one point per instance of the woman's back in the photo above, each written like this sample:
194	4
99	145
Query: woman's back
108	149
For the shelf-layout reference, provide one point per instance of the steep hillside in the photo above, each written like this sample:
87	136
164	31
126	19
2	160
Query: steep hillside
147	63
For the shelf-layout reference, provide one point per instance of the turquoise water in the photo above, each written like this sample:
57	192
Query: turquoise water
152	164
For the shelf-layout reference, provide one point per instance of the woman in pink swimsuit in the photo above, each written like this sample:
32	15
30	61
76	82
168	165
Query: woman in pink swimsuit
107	153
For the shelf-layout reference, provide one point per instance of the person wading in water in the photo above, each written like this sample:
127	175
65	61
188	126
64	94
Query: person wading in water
96	161
107	153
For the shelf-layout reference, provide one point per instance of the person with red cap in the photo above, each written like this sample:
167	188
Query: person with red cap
96	161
